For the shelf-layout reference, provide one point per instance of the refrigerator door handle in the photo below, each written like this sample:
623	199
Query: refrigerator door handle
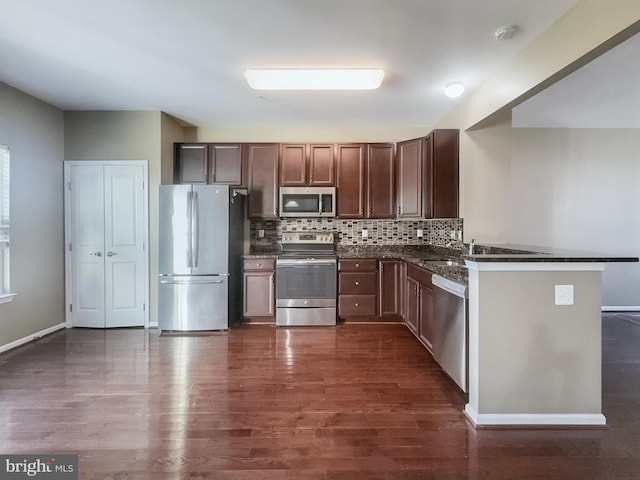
196	229
190	230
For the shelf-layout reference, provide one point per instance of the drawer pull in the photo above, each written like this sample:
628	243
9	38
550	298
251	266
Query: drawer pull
357	304
357	265
258	264
357	283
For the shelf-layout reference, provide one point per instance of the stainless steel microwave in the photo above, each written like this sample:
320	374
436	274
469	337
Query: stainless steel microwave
307	202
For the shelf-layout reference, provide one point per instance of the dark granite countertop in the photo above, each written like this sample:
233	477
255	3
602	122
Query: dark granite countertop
449	262
526	253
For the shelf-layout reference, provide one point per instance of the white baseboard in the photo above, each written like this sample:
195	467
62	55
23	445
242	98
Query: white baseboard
153	324
609	308
528	419
32	337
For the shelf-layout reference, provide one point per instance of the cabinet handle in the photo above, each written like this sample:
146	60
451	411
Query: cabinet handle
357	283
258	264
357	265
357	304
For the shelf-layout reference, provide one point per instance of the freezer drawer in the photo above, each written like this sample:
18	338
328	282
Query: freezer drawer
193	302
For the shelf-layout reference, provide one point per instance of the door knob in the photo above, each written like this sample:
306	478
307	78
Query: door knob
97	254
111	254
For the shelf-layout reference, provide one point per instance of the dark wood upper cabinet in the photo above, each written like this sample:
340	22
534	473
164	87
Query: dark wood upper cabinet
350	165
322	165
307	165
409	178
191	163
293	165
225	162
380	191
262	162
365	180
208	163
441	182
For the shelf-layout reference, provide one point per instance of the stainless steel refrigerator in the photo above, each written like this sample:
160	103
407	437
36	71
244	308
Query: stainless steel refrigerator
200	250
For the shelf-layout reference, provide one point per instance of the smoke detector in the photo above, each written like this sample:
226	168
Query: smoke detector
505	32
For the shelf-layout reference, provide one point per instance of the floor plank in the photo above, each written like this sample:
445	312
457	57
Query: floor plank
350	402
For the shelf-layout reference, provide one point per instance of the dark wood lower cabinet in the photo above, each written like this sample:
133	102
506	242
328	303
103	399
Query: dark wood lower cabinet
390	289
419	308
358	289
258	299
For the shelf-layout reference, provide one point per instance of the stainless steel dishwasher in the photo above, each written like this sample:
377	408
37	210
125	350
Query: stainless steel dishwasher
450	328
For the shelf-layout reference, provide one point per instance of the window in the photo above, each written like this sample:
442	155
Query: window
5	296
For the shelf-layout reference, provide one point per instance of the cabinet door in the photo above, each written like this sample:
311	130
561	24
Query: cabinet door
293	165
259	299
350	185
191	163
380	181
409	178
226	163
389	291
321	165
413	304
425	322
263	180
445	173
427	179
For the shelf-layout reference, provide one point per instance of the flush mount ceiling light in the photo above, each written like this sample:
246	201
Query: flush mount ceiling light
454	89
314	78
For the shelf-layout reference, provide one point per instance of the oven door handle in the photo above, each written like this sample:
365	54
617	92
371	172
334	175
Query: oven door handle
305	261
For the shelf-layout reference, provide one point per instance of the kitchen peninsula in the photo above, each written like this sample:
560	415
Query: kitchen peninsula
535	337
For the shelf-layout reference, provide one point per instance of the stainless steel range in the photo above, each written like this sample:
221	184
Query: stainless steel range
306	279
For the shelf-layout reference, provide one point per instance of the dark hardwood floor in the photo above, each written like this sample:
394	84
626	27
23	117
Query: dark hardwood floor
259	402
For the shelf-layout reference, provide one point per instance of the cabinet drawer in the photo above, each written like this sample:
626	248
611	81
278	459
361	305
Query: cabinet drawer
356	305
358	283
420	275
250	264
359	265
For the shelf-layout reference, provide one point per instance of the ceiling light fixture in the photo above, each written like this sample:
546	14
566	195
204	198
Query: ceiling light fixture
454	89
314	78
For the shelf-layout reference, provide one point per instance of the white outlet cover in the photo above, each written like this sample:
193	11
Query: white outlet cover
564	294
365	233
419	233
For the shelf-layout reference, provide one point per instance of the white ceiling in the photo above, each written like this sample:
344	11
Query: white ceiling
187	57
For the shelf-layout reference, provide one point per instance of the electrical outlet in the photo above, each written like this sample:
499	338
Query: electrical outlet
452	235
260	233
564	294
365	233
419	233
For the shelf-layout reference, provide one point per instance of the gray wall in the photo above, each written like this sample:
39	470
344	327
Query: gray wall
34	132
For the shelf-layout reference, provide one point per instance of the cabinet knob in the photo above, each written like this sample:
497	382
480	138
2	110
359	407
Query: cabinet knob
357	283
357	304
258	264
357	265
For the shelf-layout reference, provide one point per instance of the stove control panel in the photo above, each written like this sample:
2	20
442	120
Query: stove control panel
301	238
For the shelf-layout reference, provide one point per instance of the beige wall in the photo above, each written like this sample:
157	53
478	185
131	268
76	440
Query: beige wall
33	131
122	135
528	356
293	133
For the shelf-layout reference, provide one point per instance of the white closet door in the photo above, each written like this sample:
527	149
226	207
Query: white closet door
87	246
124	246
106	229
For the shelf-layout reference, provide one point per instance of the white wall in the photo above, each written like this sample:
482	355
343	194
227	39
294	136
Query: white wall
562	188
34	132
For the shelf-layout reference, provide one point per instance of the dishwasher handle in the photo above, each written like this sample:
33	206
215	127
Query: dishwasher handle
454	288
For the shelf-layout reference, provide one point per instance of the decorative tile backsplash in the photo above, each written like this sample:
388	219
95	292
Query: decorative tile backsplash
349	232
